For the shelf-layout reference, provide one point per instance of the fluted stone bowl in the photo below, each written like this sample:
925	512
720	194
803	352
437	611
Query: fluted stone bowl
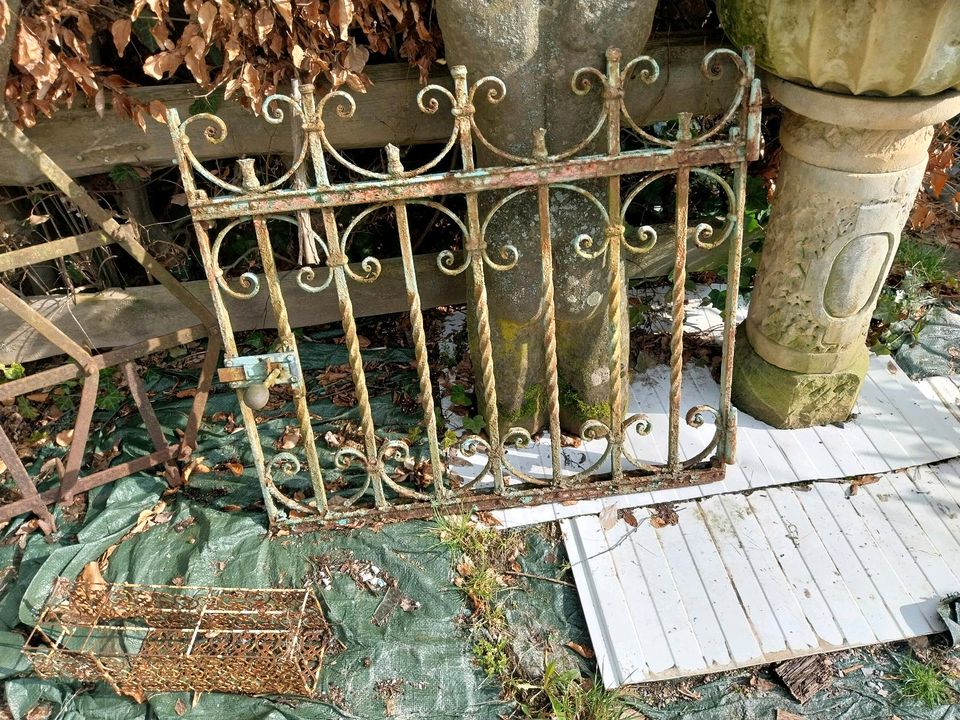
859	47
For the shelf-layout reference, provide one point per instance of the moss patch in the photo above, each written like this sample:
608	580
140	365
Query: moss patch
745	21
786	399
573	403
529	406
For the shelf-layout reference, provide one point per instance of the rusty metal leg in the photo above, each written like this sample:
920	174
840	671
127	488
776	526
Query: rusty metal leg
728	413
25	484
81	432
139	393
204	382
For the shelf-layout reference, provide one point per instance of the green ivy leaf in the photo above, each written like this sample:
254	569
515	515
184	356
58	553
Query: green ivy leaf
206	104
459	396
26	410
13	371
475	425
119	173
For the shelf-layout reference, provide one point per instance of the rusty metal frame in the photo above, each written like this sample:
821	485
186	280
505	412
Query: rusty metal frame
86	364
143	639
219	207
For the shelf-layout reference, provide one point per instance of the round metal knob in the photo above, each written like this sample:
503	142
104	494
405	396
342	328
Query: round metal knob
256	396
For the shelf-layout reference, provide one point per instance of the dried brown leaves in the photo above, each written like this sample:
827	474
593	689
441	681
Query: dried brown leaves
250	48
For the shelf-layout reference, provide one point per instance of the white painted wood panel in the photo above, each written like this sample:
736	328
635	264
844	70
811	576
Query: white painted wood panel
783	572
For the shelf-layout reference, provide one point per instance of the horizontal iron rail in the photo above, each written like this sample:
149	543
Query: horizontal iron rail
63	373
278	202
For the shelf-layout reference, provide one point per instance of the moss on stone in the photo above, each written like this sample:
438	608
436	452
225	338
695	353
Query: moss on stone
573	403
529	406
786	399
745	21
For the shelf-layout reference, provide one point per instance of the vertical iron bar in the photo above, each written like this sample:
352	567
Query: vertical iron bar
550	333
419	338
355	359
289	343
308	245
613	95
728	414
223	316
338	261
678	313
474	246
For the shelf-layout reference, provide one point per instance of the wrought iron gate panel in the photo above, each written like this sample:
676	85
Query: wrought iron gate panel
731	141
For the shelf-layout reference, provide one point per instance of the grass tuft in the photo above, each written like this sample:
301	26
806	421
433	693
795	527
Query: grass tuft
923	683
927	261
569	696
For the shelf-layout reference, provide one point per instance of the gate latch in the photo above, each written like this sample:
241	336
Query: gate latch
256	374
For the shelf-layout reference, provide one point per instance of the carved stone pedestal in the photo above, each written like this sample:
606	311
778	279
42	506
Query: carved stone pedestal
850	173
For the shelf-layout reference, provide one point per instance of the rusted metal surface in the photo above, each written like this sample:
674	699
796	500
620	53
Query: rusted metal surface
143	639
305	190
87	365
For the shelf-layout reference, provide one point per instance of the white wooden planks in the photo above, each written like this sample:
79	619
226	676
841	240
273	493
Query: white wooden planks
779	573
899	424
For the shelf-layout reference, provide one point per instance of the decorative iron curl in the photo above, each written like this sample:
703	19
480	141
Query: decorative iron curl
289	465
646	240
646	235
307	274
447	263
347	110
649	70
469	446
371	270
643	427
583	246
711	67
703	230
391	449
694	419
520	439
592	430
272	110
248	280
216	132
344	459
398	451
432	105
580	84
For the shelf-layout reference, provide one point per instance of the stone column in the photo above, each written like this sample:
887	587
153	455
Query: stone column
535	46
849	175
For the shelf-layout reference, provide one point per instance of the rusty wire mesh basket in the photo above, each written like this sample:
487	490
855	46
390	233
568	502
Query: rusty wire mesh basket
144	639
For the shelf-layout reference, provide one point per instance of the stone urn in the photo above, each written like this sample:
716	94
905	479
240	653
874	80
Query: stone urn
850	171
858	47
